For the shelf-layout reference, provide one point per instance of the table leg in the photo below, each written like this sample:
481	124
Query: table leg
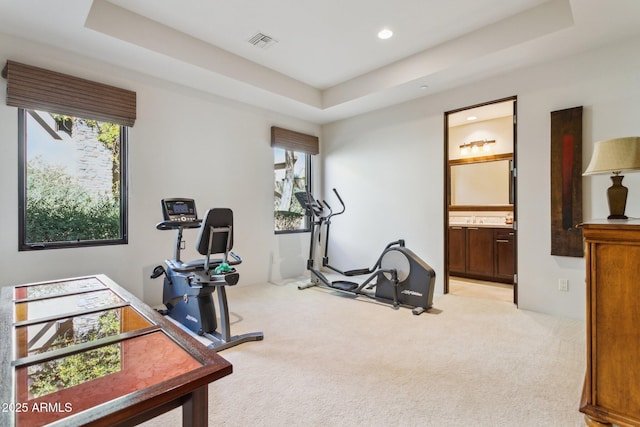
195	408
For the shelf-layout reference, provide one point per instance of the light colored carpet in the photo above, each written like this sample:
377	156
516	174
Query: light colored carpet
481	289
333	361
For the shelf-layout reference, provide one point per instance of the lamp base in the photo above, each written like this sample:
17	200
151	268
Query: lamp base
617	217
617	198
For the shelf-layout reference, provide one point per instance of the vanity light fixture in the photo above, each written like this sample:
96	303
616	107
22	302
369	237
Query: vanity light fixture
471	118
475	146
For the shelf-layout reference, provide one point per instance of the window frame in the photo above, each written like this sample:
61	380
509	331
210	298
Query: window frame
22	195
308	187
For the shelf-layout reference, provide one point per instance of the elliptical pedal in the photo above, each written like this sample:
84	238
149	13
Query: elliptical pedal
358	272
344	285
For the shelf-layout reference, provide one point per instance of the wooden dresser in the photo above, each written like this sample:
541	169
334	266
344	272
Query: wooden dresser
611	393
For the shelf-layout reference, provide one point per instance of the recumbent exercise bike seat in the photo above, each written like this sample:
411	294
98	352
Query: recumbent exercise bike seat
195	265
215	237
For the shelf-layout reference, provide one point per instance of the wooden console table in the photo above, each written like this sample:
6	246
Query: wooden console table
84	351
611	393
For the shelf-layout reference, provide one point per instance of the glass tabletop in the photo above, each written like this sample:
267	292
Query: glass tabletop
81	381
59	306
61	333
52	289
84	349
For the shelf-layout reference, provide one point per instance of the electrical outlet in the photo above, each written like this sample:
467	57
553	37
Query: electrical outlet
563	285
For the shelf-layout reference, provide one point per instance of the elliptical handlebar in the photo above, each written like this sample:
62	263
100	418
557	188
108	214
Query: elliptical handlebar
326	206
331	212
339	198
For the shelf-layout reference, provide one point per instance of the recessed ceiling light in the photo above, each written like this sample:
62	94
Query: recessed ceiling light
424	87
471	118
385	34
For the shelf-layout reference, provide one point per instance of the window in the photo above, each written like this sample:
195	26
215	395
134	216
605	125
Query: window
292	172
72	181
292	153
72	158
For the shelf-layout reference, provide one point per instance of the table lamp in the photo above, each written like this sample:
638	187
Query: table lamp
614	156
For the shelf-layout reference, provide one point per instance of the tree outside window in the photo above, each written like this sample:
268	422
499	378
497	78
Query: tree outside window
72	173
291	171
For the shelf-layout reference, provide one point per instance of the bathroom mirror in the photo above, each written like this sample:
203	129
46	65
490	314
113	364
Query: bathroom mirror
483	183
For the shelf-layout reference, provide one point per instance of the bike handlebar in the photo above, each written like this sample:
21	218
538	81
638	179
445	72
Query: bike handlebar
236	258
176	224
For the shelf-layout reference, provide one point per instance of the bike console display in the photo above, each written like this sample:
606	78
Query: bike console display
178	213
179	210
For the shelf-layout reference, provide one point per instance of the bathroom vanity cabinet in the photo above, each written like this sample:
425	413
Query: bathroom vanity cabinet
484	253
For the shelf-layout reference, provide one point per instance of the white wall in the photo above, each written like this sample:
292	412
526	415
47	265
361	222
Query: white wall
184	144
389	166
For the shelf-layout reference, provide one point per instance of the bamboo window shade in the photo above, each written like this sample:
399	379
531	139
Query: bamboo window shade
36	88
294	141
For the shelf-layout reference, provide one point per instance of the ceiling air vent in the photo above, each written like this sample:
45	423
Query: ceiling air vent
262	41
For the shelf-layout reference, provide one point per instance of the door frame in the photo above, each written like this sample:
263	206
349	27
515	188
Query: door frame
514	181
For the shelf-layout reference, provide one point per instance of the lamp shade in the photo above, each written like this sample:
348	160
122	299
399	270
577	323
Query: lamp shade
615	155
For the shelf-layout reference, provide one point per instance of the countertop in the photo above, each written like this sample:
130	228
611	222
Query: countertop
483	225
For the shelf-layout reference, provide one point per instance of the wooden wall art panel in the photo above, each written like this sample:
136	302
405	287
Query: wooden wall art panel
566	182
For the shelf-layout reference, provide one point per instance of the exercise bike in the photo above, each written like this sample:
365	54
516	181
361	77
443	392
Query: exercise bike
399	277
189	286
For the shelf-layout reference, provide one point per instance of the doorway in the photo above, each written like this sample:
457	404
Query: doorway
480	215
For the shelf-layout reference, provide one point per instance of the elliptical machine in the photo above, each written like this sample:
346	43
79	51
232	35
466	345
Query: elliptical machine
399	277
189	286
